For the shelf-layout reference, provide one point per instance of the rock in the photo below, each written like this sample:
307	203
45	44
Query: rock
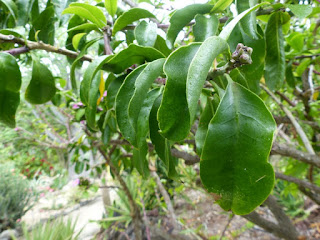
6	235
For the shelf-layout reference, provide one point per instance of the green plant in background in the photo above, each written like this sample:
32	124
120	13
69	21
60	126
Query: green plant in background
36	167
16	197
57	229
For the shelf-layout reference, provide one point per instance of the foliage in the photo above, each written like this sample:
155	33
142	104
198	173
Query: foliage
35	167
16	197
57	229
212	96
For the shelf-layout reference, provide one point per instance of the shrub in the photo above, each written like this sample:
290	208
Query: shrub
15	197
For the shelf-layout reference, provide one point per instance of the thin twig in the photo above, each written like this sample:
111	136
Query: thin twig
226	227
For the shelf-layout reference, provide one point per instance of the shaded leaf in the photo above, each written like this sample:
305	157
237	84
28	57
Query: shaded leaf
205	27
41	88
146	33
249	22
234	159
161	46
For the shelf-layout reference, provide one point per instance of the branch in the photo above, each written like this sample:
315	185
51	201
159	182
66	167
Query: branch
295	123
188	158
283	150
312	124
298	181
30	45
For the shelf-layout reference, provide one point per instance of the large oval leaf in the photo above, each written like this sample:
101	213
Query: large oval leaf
129	17
134	54
234	159
199	69
146	33
275	66
42	85
182	17
173	115
10	83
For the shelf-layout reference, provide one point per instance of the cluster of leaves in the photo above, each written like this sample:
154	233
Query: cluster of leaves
35	167
235	128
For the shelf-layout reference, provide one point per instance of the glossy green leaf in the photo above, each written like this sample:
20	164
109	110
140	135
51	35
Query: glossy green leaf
76	39
300	10
89	12
134	54
205	27
111	6
122	103
130	16
161	144
141	87
10	83
88	76
199	69
275	62
161	46
181	18
146	33
227	30
11	6
42	85
142	129
249	22
221	5
173	115
112	91
234	162
44	27
205	118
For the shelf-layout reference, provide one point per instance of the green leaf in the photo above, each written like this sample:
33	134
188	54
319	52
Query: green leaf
174	103
76	39
227	30
88	76
146	33
161	46
141	87
10	83
199	68
122	103
130	16
205	27
111	6
113	90
42	85
275	62
289	75
302	66
205	118
79	167
89	12
134	54
296	41
249	22
234	159
85	26
142	128
12	7
221	5
300	10
181	18
44	27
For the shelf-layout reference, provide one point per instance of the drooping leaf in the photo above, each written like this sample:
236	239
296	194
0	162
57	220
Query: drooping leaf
234	159
41	88
111	6
173	115
199	68
221	5
10	83
275	62
161	46
141	87
205	27
134	54
181	18
249	22
123	98
43	27
88	76
146	33
227	30
300	10
130	16
89	12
